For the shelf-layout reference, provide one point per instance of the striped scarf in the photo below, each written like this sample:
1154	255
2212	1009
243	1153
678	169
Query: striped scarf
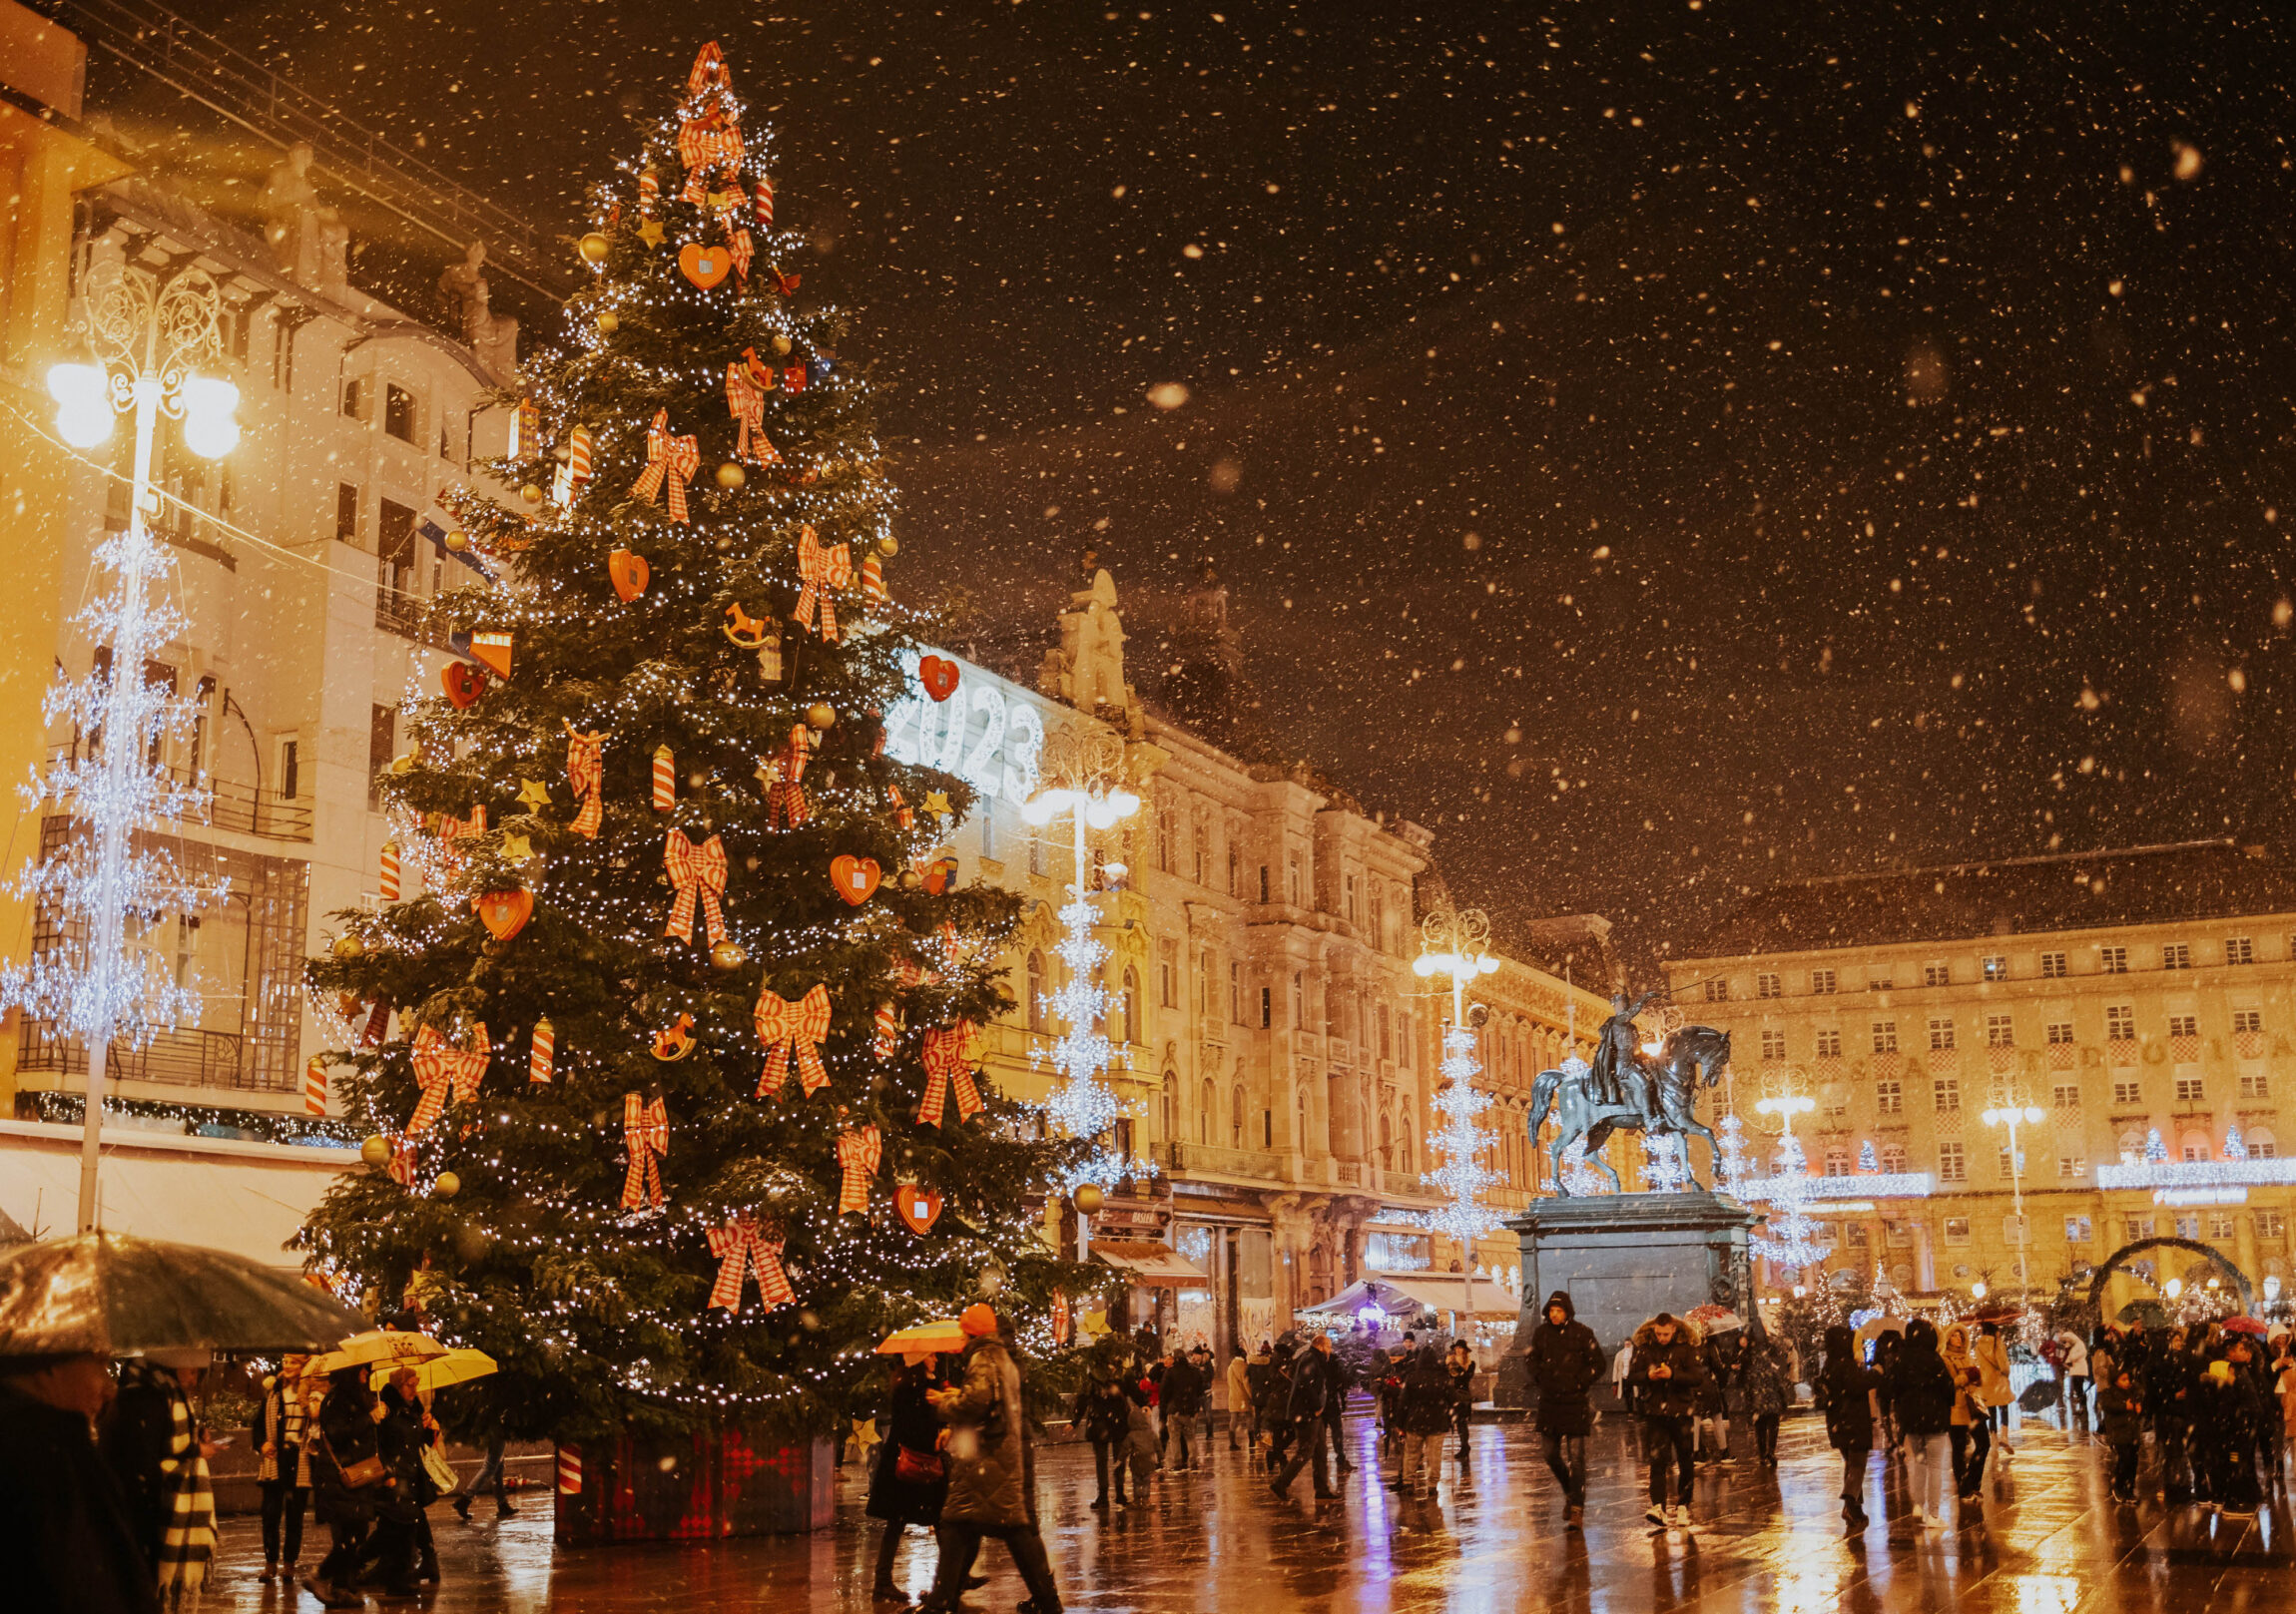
283	1424
189	1541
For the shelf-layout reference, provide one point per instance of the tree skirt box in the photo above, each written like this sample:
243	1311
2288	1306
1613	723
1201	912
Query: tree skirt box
697	1487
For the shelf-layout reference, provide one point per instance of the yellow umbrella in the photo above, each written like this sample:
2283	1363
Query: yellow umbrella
458	1366
945	1337
379	1345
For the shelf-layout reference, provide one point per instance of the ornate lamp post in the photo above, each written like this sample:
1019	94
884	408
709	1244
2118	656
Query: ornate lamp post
149	334
2008	1112
1451	945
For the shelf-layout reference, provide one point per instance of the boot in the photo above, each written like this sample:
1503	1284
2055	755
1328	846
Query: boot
462	1508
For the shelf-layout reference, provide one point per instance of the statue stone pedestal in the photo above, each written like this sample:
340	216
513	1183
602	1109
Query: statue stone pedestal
1624	1257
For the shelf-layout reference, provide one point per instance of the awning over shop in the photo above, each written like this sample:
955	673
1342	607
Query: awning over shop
220	1194
1150	1264
1408	1293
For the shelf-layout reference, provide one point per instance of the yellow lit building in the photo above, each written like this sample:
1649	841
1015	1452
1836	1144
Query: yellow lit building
2142	1002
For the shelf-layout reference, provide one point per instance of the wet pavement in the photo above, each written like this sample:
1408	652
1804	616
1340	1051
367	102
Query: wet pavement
2048	1542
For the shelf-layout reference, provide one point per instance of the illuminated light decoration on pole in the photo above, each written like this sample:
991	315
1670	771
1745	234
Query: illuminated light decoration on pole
1791	1240
1730	1163
2008	1113
1090	767
1451	945
1665	1168
150	333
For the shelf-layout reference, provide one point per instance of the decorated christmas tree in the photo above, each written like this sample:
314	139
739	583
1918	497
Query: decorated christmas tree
664	1023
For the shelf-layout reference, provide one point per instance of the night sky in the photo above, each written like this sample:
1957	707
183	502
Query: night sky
1662	451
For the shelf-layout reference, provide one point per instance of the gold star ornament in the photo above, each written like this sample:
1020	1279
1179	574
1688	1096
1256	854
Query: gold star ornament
516	849
651	233
937	804
533	795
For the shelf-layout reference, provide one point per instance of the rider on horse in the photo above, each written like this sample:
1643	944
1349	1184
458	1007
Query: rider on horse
1616	1055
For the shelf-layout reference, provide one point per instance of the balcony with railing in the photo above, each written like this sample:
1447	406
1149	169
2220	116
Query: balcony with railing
248	810
174	1058
1215	1160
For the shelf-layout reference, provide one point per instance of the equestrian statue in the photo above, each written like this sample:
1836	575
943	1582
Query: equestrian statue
1626	1091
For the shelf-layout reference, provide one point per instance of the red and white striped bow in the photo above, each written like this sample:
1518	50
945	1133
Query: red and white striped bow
695	871
785	1027
586	771
820	571
786	802
440	1066
646	1139
859	1150
674	459
746	402
742	1247
401	1163
452	830
903	814
944	1067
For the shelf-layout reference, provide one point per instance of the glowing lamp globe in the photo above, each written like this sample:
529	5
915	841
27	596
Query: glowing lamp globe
209	405
1978	1289
84	406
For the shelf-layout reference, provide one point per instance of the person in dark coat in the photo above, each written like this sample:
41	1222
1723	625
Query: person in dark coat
1315	1382
1103	1411
2169	1403
1565	1363
1844	1392
1182	1402
1669	1373
1766	1386
1422	1415
276	1434
1922	1391
1336	1413
1720	1399
2228	1427
2120	1425
136	1436
348	1437
912	1480
1459	1362
407	1429
992	1471
66	1536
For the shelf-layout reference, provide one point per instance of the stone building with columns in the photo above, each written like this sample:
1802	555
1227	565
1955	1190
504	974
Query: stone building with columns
2142	1000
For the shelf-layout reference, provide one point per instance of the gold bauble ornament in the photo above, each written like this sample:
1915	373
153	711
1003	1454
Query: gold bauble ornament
458	541
821	714
782	345
347	947
376	1151
531	493
731	474
729	956
595	247
608	322
889	546
911	880
1088	1199
447	1185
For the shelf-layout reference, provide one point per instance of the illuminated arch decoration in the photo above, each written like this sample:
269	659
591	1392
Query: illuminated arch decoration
2120	1261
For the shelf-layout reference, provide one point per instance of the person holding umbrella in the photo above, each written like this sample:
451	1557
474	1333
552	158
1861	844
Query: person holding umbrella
153	1438
65	1531
911	1479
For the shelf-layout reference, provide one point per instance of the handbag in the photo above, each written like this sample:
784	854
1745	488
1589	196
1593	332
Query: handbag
441	1471
916	1467
357	1475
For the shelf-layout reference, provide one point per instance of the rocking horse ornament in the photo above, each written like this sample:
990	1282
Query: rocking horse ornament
1626	1090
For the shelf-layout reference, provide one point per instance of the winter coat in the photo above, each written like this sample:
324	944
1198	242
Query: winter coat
347	1437
1724	1390
987	1450
1238	1387
1140	1437
401	1437
1184	1390
1954	1351
1676	1395
2229	1412
1766	1388
1461	1379
911	1427
1991	1357
1259	1376
136	1436
2073	1354
1920	1389
65	1534
1844	1393
1104	1405
1426	1403
1315	1384
2120	1415
1564	1364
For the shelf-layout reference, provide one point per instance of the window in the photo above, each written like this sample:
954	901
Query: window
2220	1224
1168	843
1199	842
381	741
1347	895
1940	1035
2126	1091
1953	1167
2077	1229
2187	1227
1772	1044
1263	882
1997	968
1957	1228
2185	1025
1386	1038
398	413
2271	1223
1857	1235
1893	1156
1879	980
1168	977
2051	966
346	514
2066	1095
2254	1084
1292	879
2247	1020
1889	1096
1936	974
1035	1004
2239	951
2134	1227
2072	1168
2193	1152
1299	1000
2120	1022
352	399
1207	1110
1885	1037
2060	1032
1038	861
2188	1091
2112	960
2176	955
1766	984
1837	1162
1718	989
1266	1007
1830	1043
1945	1093
2261	1146
1235	994
394	568
2004	1165
1822	981
290	769
2000	1031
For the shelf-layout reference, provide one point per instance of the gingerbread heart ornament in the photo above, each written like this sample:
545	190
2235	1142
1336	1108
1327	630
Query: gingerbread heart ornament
629	573
855	877
939	676
504	914
704	265
918	1207
464	684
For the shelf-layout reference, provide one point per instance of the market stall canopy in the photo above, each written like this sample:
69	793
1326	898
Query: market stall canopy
117	1295
1150	1264
1409	1293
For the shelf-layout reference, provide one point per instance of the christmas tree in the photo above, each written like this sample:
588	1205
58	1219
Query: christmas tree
678	1116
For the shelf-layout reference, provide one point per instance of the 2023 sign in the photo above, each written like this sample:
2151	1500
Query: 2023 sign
976	733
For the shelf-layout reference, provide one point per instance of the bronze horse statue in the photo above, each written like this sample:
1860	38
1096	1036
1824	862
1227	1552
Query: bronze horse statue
1661	1098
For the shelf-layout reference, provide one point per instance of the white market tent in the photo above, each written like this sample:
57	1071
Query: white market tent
1409	1293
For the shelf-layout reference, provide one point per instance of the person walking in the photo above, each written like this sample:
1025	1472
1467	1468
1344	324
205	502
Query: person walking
1104	1413
1314	1382
1239	1377
2073	1358
1564	1363
419	1433
1844	1393
153	1440
1921	1393
1260	1384
348	1482
1886	1345
488	1475
992	1471
276	1434
1990	1353
1421	1415
1669	1374
1767	1386
1336	1413
912	1479
66	1534
1459	1362
1969	1433
1718	1399
1183	1400
2121	1425
2230	1426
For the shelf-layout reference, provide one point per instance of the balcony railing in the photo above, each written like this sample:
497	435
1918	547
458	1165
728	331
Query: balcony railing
1211	1157
247	809
174	1059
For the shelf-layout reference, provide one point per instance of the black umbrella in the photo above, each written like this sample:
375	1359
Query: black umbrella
117	1295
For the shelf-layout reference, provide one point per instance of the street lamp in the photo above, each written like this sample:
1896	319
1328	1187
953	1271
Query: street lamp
149	333
2007	1116
1452	943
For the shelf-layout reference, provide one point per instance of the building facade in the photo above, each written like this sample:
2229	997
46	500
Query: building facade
2142	1002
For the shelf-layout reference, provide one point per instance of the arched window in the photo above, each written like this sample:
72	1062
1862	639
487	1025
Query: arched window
2195	1146
1036	988
1129	1008
2132	1145
2261	1145
1171	1107
1403	1145
1207	1106
1236	1118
